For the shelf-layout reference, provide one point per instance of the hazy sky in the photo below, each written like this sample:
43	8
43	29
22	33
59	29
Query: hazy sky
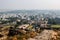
29	4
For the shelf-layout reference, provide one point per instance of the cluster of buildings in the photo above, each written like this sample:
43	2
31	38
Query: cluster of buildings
24	23
29	18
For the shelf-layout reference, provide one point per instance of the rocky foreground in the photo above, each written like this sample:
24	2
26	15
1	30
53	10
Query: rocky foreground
45	35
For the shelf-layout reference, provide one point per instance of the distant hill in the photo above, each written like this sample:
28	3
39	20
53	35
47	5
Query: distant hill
54	13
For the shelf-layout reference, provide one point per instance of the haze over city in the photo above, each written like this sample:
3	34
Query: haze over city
29	19
30	4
